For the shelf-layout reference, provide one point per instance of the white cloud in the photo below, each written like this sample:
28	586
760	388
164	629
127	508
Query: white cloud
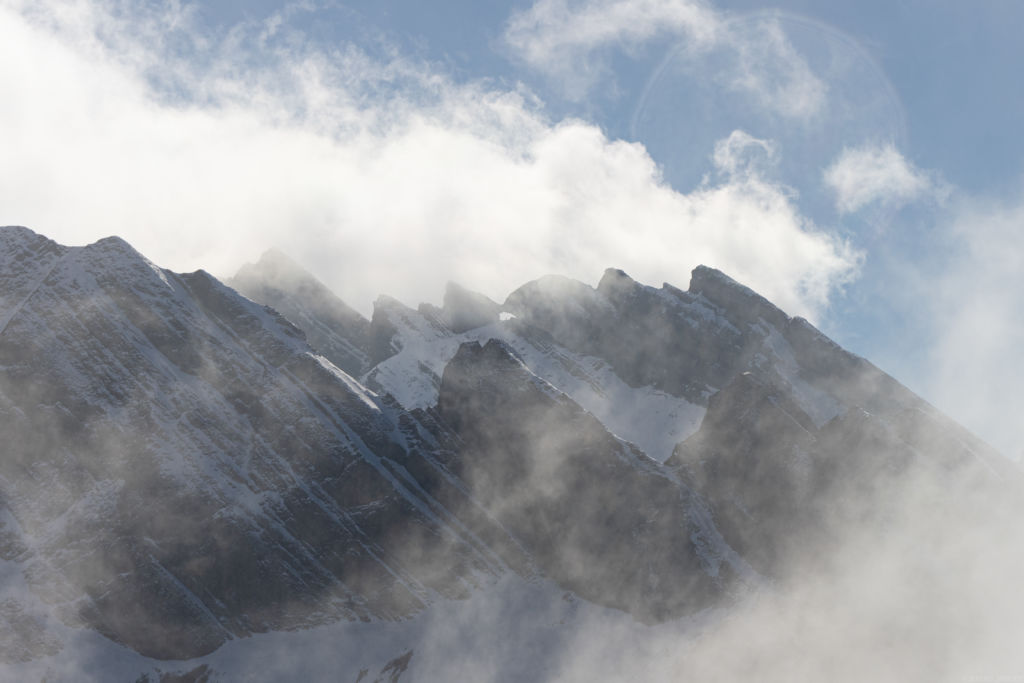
560	37
382	176
570	40
769	69
875	173
975	303
741	154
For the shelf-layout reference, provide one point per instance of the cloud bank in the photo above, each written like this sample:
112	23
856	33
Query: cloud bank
381	174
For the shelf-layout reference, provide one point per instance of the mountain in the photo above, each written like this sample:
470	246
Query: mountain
230	476
190	475
339	332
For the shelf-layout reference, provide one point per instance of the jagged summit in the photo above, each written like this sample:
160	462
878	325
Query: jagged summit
722	290
277	267
277	257
185	466
465	309
14	234
112	243
25	258
17	240
334	328
614	279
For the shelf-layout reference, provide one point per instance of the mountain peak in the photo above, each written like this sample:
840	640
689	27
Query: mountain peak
275	255
17	243
332	327
614	283
275	269
465	309
277	260
112	242
10	234
738	299
613	275
181	464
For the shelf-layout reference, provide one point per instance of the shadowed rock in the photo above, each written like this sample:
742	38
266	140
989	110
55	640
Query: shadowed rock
597	516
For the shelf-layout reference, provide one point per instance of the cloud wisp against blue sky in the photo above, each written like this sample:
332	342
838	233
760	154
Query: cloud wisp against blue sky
876	174
812	152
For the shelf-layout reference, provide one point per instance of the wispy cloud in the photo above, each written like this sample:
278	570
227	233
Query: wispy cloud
379	172
770	69
975	303
876	173
743	154
561	37
571	40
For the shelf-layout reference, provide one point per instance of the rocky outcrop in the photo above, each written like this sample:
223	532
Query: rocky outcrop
787	494
332	327
184	469
675	341
182	466
463	309
595	515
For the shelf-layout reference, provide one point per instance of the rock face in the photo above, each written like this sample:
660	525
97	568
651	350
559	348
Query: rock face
337	331
594	513
463	309
184	469
182	466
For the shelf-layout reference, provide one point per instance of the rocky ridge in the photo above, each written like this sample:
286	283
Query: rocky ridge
184	467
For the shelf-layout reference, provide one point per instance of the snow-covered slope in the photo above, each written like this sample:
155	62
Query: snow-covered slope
650	418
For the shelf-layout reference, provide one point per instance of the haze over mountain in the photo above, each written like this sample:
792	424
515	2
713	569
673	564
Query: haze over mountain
252	481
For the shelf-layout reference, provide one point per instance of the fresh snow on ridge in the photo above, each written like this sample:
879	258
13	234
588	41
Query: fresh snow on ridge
653	420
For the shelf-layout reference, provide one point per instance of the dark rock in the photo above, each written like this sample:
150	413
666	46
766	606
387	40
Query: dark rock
465	310
333	328
597	517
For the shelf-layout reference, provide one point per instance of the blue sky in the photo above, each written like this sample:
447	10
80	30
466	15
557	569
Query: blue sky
858	163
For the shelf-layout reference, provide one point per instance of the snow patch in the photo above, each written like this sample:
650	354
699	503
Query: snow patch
649	418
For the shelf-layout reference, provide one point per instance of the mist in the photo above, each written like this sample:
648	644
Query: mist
567	476
821	521
379	172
